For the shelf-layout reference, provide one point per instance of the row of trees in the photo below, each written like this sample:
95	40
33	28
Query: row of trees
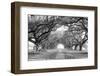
77	34
40	27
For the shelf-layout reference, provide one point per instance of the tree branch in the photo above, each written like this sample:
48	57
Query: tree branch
30	39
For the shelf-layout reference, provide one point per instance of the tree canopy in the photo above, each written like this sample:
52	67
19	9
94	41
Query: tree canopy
40	28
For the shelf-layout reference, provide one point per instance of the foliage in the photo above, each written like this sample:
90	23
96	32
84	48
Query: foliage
40	30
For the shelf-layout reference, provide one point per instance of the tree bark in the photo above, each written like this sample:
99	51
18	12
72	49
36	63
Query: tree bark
75	47
80	47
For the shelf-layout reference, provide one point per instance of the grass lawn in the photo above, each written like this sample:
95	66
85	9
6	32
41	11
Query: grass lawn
58	54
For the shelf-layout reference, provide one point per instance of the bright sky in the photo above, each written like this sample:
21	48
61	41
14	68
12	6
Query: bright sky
60	31
62	28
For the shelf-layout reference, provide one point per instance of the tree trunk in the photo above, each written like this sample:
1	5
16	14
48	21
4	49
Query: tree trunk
75	47
80	47
37	46
81	44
